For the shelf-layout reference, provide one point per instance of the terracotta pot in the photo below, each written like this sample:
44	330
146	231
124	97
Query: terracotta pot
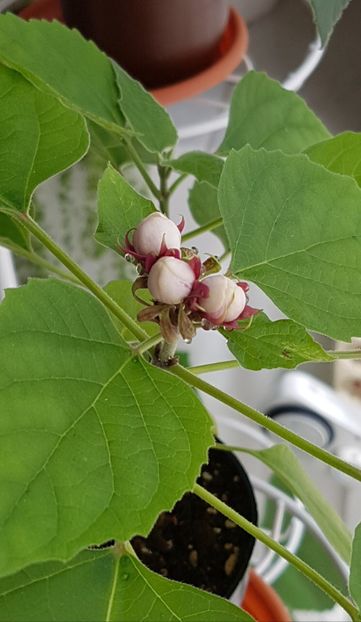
157	41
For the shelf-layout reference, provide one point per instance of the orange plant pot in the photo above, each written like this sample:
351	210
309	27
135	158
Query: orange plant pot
262	602
231	51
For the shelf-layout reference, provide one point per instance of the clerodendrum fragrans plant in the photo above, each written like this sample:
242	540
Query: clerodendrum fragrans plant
100	427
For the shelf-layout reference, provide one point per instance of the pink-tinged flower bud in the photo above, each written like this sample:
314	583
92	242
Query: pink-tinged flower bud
170	280
154	233
225	301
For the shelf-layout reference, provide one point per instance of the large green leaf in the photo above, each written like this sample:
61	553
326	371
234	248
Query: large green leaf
203	203
295	230
61	61
94	443
120	208
203	166
326	14
99	587
121	292
154	128
107	146
12	234
282	461
355	570
266	344
341	154
38	138
263	114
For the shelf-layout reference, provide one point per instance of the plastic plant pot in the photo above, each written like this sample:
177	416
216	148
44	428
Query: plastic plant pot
158	42
230	51
197	545
262	602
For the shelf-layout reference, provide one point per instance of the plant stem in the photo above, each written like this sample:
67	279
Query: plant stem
143	171
267	422
148	344
210	367
82	276
213	224
177	183
345	354
275	546
164	198
37	260
222	365
167	350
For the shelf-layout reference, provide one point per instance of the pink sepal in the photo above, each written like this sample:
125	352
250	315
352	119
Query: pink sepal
147	261
243	285
181	225
196	265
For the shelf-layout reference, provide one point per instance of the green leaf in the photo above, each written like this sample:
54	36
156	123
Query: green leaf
341	154
121	292
326	15
61	61
282	461
120	208
203	166
266	344
295	230
38	138
203	203
107	146
263	114
98	587
12	234
152	124
355	570
94	442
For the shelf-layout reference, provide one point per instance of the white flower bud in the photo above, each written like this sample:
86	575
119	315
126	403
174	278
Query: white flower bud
152	231
170	280
226	300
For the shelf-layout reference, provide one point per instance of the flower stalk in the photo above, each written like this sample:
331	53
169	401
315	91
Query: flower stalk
167	352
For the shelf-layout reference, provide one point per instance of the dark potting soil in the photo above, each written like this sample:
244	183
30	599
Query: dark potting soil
194	543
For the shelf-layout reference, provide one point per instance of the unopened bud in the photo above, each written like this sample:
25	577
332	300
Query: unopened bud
225	300
154	232
170	280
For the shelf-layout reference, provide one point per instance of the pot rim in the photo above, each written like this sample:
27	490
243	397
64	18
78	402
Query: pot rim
233	48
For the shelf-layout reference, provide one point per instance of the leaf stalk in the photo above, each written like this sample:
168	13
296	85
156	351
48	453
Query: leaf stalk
275	546
82	276
267	422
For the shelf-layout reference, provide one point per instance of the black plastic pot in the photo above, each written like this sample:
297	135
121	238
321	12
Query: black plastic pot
157	41
195	544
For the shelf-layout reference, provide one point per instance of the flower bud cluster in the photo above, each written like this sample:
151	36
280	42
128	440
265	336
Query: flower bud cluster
184	294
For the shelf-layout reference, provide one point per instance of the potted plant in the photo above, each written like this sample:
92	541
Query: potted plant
101	429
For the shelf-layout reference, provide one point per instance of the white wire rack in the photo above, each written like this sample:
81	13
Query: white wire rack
290	533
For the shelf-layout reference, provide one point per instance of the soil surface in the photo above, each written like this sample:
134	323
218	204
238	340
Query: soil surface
197	545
